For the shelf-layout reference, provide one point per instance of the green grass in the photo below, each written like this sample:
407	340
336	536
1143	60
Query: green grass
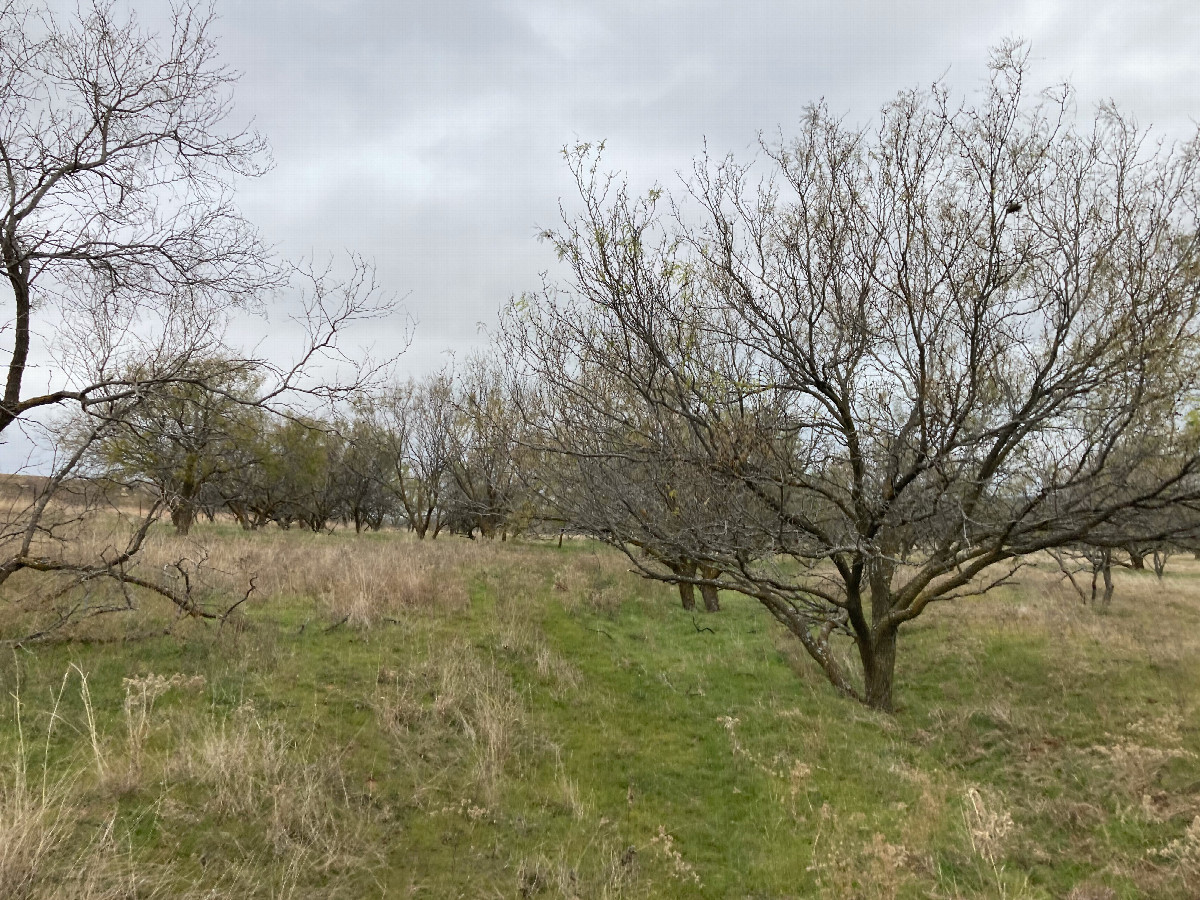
567	730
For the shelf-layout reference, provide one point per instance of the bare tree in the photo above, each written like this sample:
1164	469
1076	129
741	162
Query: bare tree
116	210
487	490
126	257
902	363
410	426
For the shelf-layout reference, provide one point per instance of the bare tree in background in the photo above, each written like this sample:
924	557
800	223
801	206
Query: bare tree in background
410	427
905	361
117	224
125	257
487	486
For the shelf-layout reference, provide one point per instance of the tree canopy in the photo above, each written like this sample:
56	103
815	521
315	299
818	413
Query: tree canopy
881	375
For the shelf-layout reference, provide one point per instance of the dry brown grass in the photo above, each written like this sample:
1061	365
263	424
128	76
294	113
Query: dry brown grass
45	850
249	763
848	863
455	692
61	829
1183	854
1150	622
35	822
356	582
599	580
1047	602
360	582
604	869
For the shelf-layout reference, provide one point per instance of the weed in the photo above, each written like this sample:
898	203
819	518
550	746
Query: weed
1184	853
678	867
141	693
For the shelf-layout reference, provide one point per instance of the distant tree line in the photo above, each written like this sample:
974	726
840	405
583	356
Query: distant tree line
432	455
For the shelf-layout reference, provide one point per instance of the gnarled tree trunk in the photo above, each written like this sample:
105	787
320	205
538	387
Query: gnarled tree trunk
878	655
183	514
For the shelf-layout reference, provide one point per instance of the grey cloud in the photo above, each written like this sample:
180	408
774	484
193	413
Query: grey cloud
426	134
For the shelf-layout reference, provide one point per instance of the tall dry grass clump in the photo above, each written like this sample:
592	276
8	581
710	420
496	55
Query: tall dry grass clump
47	849
63	831
457	708
251	768
358	580
35	822
1183	854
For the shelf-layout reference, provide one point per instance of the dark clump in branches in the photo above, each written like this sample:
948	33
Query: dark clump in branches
886	373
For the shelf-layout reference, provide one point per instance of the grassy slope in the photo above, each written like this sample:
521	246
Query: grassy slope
526	721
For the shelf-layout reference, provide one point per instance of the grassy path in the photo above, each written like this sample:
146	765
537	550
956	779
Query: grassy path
548	725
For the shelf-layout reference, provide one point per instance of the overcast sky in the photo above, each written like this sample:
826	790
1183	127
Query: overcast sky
427	135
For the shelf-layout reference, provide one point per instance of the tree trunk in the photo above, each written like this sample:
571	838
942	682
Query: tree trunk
877	641
687	590
879	668
239	513
1102	567
687	594
709	591
1137	560
183	511
17	270
182	517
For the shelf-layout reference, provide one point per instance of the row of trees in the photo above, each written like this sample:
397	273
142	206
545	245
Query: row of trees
878	378
881	377
438	453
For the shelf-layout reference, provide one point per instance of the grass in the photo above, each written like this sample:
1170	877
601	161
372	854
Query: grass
388	718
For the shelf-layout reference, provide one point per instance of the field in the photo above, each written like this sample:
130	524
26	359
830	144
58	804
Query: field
389	718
